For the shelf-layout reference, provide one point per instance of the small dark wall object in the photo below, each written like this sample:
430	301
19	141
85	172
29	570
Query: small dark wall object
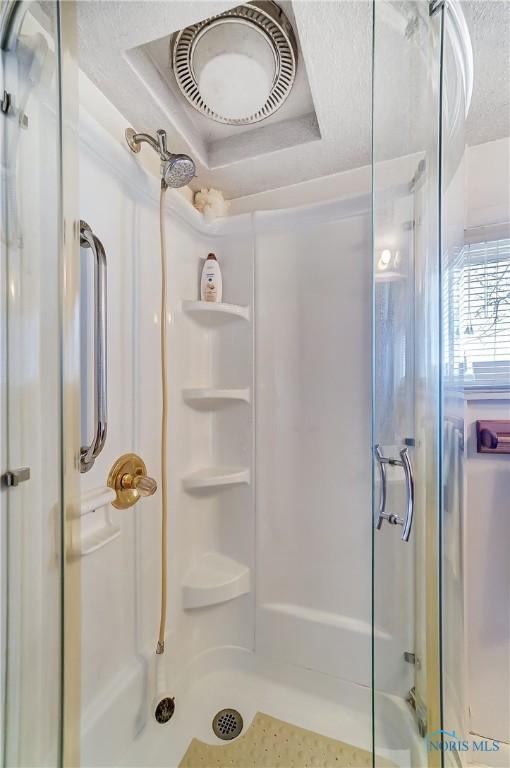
493	436
164	710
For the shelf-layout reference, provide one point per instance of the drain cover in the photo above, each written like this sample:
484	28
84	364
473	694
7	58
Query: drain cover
227	724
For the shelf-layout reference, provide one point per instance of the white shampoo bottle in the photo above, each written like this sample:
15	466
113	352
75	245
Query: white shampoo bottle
211	286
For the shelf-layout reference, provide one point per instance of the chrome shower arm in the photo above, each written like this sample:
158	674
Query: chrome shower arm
158	144
135	139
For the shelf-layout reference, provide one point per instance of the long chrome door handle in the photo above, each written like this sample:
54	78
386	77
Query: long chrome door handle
89	453
381	463
408	471
405	463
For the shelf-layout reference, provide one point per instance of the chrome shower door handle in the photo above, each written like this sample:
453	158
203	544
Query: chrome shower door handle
408	472
89	453
405	463
381	463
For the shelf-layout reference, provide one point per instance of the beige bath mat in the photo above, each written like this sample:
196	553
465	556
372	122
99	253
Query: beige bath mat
272	743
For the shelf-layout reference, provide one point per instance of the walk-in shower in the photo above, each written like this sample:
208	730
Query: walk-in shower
265	561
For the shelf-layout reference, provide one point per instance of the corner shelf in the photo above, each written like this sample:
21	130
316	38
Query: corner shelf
216	477
213	580
212	398
213	313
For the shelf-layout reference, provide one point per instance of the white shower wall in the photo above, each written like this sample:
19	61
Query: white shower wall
313	364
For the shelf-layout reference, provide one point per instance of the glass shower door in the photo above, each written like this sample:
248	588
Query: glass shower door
406	98
36	468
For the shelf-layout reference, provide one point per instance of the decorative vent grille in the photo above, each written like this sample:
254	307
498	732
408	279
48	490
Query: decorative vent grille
272	22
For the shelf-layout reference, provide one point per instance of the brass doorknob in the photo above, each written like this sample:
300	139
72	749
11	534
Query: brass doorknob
128	478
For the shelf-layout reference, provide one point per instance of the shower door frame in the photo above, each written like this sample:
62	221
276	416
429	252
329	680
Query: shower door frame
71	383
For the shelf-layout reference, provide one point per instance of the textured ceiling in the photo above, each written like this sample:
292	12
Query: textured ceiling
299	103
335	39
489	26
333	35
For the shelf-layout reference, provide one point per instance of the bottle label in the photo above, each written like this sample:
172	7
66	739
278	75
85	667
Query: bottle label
210	291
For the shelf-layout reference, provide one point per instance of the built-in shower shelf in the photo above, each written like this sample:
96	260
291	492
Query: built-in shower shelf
216	477
215	313
212	398
213	580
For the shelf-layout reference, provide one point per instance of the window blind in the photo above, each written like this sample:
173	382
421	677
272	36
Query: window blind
483	342
452	286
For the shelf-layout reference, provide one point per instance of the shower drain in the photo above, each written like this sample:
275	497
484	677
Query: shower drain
227	724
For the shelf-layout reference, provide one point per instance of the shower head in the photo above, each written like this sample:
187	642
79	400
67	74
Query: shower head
176	170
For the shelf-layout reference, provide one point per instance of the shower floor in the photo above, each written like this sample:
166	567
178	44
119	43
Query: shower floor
238	679
272	743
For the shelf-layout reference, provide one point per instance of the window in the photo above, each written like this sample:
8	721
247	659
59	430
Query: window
483	349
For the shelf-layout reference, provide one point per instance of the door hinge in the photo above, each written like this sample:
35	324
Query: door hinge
419	710
14	477
409	657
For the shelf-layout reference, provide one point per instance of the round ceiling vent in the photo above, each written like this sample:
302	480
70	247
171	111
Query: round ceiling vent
237	67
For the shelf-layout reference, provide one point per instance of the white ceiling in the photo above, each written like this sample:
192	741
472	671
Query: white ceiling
489	26
332	36
298	105
335	55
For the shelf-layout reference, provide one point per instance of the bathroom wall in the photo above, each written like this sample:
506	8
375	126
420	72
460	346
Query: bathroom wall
488	183
313	367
